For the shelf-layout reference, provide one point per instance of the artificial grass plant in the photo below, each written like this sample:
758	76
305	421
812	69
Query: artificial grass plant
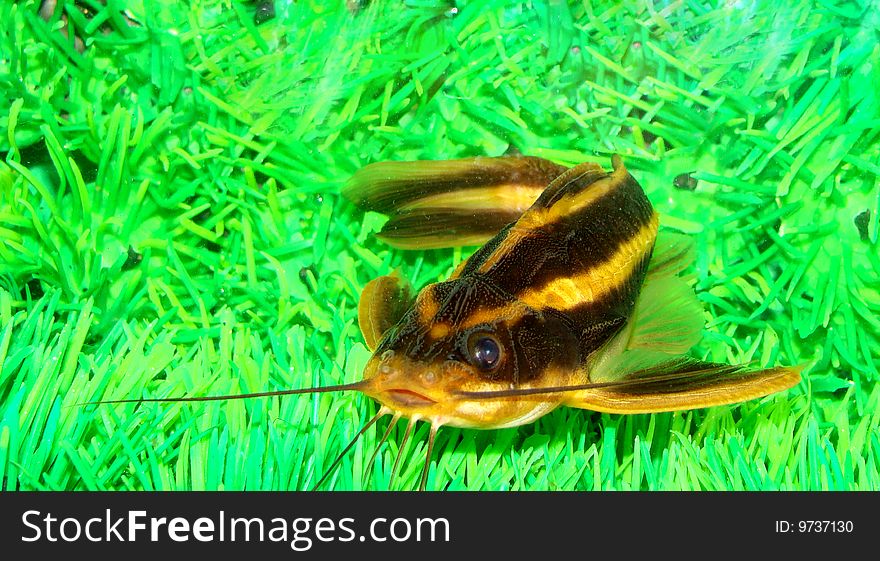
170	225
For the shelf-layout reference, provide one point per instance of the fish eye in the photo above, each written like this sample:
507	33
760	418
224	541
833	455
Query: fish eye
485	351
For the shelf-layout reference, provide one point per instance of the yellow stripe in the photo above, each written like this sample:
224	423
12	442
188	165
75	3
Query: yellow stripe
599	280
536	218
492	315
439	330
510	241
587	286
427	305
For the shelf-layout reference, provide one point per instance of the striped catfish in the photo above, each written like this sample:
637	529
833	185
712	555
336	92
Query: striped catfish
574	300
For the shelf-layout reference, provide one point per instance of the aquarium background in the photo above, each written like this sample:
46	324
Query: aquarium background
171	225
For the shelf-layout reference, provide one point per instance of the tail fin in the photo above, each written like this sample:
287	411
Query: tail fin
448	203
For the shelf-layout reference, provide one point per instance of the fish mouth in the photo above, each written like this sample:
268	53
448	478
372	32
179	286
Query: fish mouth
409	398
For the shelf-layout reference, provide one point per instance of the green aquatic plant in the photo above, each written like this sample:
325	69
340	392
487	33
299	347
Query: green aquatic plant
170	225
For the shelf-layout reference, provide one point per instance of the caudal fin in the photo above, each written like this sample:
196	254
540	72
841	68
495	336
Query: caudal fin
447	203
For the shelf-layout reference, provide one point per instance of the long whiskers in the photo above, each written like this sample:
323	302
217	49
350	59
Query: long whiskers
401	451
382	412
356	386
385	436
431	436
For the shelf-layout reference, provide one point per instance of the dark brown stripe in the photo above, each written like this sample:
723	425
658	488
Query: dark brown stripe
532	341
572	245
612	273
445	303
479	257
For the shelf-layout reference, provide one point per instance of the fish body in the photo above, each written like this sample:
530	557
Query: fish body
575	302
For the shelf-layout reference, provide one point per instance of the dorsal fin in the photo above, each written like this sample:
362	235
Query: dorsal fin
572	192
569	183
439	228
465	183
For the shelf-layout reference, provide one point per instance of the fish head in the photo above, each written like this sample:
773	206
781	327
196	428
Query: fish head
463	337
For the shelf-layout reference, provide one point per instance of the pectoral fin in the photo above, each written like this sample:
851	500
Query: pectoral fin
666	323
682	384
383	302
672	254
